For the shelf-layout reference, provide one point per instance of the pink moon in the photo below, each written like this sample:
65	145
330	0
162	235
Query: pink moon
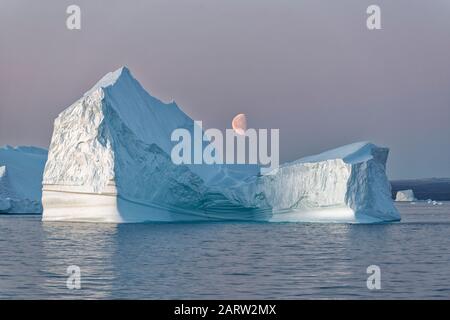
239	124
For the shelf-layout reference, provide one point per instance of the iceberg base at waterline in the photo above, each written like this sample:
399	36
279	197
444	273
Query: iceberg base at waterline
102	208
64	203
109	161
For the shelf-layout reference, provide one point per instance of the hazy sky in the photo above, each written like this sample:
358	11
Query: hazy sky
310	68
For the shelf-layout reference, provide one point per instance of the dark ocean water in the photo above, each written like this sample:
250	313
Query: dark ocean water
228	260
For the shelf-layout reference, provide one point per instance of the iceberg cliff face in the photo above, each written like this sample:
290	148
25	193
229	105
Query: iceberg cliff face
109	161
21	170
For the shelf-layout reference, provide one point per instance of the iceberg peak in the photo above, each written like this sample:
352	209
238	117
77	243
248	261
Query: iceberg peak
111	78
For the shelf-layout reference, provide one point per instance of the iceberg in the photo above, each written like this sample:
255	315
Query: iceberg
109	161
347	184
405	196
21	170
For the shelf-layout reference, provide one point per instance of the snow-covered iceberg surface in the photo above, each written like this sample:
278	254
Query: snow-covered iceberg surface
109	161
405	196
21	170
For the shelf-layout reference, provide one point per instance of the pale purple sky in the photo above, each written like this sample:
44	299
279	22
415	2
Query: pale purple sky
310	68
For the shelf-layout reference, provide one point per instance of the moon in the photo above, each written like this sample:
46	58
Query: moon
239	124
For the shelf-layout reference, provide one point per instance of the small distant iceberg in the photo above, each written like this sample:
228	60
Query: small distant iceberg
405	196
109	161
409	196
434	202
21	170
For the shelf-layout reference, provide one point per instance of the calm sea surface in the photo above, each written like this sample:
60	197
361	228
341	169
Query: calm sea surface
228	260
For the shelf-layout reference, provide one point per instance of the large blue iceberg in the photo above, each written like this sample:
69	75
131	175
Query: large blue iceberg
109	161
